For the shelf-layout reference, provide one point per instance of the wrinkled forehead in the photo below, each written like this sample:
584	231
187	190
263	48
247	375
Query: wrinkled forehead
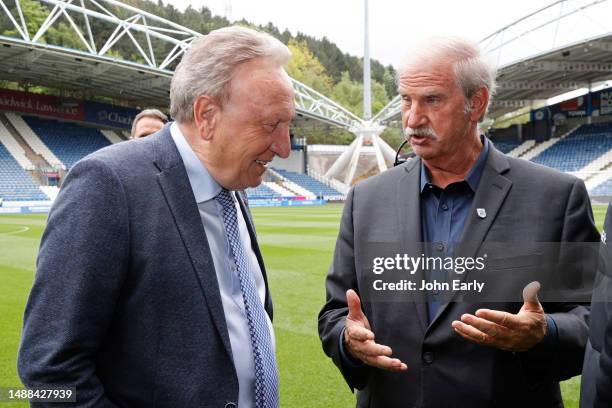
262	79
425	75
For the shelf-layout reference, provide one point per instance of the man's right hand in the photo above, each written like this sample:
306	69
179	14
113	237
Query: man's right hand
359	339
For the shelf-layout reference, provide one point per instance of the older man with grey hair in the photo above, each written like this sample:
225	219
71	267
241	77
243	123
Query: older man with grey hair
150	287
424	347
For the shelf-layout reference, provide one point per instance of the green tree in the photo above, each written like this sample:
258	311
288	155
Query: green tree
349	93
306	68
35	14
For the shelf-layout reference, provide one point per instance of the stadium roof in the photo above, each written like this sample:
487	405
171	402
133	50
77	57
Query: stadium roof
62	68
559	48
140	79
144	79
534	79
579	65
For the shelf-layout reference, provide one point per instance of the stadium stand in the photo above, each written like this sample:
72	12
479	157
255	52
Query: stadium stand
603	189
111	136
297	190
506	146
578	149
316	187
33	140
15	183
68	141
522	148
262	192
279	189
11	145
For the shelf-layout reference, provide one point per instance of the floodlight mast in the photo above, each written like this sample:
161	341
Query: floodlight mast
367	87
367	131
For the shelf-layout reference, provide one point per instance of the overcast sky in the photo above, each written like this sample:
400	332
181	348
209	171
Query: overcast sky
395	24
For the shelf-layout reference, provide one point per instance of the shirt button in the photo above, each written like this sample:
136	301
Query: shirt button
444	207
230	405
440	246
428	357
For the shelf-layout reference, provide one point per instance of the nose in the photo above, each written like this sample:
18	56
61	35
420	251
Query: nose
414	117
281	145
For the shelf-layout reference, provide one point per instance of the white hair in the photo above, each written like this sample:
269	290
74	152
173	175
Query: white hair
473	71
207	67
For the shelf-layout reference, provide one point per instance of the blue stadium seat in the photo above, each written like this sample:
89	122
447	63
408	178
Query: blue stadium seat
316	187
580	148
506	146
261	192
604	189
15	183
70	142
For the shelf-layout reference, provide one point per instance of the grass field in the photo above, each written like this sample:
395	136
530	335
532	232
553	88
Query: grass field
297	244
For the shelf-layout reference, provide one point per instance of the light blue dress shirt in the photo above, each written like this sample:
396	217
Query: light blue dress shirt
205	189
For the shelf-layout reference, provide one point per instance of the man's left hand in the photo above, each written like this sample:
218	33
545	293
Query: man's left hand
506	331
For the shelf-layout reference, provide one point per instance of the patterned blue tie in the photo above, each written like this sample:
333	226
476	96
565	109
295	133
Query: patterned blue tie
266	372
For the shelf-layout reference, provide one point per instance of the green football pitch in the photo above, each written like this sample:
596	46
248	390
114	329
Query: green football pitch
297	245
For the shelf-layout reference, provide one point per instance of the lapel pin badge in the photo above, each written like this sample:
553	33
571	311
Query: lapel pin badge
482	213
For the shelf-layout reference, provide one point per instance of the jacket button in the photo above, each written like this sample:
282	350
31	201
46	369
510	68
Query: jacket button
428	357
230	405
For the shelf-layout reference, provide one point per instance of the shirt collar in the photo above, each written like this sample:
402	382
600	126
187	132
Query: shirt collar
473	176
203	185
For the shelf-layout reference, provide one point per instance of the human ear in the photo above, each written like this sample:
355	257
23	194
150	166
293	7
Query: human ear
206	115
479	103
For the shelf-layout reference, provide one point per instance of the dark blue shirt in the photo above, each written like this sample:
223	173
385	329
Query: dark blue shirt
444	212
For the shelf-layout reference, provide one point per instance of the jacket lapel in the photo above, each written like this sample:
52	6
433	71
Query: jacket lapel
409	202
177	191
490	195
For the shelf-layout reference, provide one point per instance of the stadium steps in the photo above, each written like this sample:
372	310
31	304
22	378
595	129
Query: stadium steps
17	184
36	159
315	187
14	148
338	185
34	141
50	191
111	136
279	189
261	192
598	179
506	146
578	149
593	168
522	148
541	147
69	141
296	189
122	135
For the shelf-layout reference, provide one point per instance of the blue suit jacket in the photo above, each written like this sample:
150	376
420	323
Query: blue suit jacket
125	304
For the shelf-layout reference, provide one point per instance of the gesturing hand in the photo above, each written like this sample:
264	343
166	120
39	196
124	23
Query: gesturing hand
359	338
506	331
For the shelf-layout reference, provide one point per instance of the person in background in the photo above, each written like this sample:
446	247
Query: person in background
147	122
